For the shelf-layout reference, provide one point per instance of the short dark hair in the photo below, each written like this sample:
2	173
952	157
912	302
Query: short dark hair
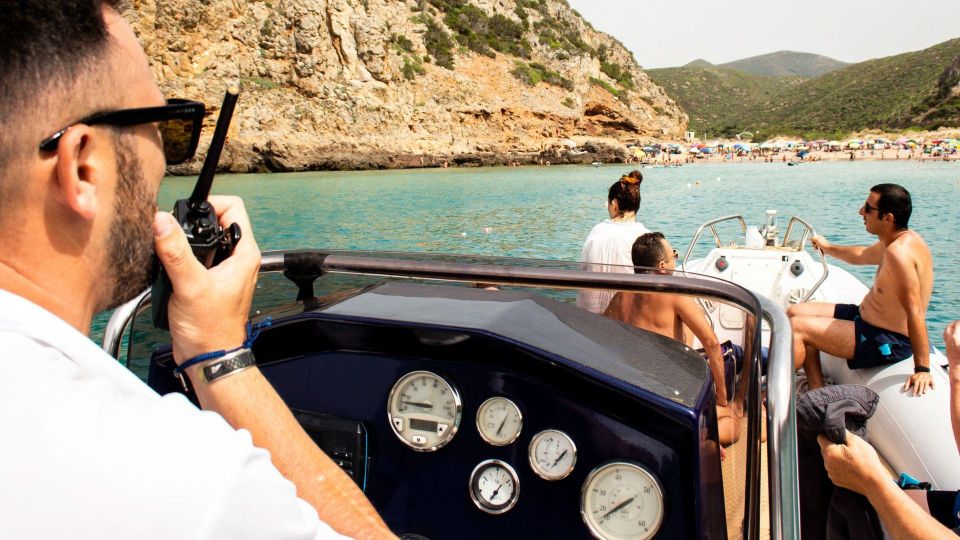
44	45
626	191
648	250
895	200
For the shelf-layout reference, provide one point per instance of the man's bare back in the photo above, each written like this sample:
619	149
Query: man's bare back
649	311
881	306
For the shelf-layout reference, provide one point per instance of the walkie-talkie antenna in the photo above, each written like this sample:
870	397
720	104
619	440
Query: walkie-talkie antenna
202	189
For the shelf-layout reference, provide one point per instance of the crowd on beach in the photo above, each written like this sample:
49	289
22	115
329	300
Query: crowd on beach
796	151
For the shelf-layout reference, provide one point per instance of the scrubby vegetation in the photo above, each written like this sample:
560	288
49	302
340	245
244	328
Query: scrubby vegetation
412	67
535	73
480	33
438	43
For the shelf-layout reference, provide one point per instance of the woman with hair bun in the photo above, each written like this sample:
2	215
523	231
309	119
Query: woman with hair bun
608	245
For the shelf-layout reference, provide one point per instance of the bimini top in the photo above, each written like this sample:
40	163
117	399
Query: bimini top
636	357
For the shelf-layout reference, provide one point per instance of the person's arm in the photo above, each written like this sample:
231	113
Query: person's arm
208	311
856	466
951	337
692	316
872	254
904	273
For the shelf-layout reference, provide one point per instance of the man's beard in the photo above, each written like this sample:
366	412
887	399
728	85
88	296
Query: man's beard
130	246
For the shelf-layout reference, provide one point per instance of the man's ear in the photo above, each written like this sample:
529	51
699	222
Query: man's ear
84	161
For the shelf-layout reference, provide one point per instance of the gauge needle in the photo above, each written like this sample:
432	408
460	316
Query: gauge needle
417	404
494	494
618	507
501	424
559	458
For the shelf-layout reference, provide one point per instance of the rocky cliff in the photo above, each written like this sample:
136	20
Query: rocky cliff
332	84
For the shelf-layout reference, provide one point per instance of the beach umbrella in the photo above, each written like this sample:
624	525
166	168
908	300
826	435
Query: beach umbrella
648	149
693	150
901	140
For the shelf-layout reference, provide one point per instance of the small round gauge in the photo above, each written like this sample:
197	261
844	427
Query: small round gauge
494	486
552	454
622	501
499	421
424	410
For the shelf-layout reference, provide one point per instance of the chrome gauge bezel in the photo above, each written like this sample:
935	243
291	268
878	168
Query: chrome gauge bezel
450	433
532	457
595	473
473	487
486	437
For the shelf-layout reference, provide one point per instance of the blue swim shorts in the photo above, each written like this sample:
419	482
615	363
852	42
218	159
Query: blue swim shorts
875	346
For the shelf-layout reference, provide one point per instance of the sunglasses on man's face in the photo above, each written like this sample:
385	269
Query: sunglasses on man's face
867	208
179	122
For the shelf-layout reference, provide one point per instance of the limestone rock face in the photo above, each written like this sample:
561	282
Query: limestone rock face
352	83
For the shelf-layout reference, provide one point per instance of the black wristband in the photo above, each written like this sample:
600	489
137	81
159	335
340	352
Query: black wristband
921	369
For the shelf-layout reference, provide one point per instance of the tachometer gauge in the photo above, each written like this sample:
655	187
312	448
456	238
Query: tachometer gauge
424	410
622	501
499	421
552	454
494	486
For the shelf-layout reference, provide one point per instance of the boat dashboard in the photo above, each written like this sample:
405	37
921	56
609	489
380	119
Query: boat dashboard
472	413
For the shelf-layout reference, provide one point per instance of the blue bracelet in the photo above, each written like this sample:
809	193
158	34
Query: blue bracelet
253	332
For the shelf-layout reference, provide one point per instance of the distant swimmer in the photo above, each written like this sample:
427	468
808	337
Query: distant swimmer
890	324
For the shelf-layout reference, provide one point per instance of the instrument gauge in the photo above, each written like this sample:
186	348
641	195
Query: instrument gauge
499	421
494	486
424	410
552	454
622	501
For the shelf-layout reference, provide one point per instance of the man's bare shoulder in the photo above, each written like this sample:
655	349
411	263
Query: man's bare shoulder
909	245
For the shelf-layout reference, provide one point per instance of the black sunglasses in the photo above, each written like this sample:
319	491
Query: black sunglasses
867	208
179	122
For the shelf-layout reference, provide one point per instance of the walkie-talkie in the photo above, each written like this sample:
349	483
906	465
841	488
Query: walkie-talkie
210	242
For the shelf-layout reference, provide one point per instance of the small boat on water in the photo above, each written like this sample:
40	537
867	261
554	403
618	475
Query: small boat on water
469	397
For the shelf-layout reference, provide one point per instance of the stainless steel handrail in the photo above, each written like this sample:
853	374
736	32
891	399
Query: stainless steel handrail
117	325
781	422
783	484
716	238
811	232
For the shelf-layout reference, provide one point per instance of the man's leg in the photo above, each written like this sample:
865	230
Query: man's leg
812	334
804	355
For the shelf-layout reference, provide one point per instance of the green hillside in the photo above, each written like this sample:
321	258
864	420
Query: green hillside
916	89
786	64
912	90
716	98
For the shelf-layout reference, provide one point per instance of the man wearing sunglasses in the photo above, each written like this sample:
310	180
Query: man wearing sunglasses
890	323
88	451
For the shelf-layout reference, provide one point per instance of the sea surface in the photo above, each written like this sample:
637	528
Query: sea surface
546	212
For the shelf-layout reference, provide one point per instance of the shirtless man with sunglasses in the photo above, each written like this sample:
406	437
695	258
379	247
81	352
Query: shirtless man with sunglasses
890	323
88	450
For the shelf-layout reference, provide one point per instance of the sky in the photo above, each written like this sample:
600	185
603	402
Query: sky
668	34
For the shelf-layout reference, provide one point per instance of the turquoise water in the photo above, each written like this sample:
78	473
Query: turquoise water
546	212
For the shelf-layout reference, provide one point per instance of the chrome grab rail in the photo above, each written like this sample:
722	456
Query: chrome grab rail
712	224
781	414
809	232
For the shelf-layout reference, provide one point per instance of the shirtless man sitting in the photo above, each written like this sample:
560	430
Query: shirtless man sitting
667	314
890	323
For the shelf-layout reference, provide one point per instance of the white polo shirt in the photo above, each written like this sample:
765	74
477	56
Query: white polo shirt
89	451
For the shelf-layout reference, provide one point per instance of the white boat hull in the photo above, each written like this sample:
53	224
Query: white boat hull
914	434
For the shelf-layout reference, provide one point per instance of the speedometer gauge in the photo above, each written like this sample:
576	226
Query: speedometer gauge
622	501
424	410
499	421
